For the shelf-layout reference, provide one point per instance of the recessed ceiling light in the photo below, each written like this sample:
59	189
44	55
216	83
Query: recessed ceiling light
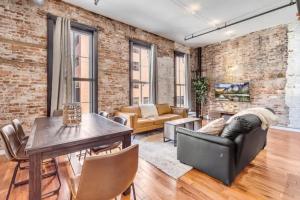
229	32
214	22
193	8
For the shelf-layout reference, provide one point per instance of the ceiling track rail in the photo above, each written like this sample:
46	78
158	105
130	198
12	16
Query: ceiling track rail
226	25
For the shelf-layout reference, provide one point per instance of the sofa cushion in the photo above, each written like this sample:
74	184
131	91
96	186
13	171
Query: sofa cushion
214	127
148	111
142	122
132	109
163	109
240	125
160	120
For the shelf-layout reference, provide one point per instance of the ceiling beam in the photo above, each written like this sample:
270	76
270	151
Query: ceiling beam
226	25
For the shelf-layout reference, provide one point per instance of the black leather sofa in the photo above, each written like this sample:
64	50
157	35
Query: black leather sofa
222	157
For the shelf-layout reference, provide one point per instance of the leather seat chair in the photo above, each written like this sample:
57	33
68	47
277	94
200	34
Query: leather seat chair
15	152
106	176
19	130
109	147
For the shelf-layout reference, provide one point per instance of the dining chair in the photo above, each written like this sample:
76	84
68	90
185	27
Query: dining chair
106	176
104	114
15	152
22	137
109	147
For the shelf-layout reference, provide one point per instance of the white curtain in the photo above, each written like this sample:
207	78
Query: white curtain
188	98
153	74
62	67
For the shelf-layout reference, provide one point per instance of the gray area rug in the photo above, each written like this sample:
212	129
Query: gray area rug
162	155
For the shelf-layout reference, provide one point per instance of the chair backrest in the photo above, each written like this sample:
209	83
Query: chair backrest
120	120
19	129
105	177
103	114
10	141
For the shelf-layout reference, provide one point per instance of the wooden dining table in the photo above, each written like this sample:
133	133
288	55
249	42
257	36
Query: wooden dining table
50	138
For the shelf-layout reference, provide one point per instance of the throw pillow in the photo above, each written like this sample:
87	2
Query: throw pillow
214	127
240	125
163	108
148	111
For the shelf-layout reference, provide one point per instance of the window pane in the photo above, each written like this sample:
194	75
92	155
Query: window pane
136	93
145	64
145	94
178	95
81	54
140	70
182	95
82	94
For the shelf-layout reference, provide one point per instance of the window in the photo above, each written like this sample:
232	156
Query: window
84	79
140	73
180	76
84	52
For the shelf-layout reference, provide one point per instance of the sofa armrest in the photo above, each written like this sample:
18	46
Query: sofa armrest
206	137
180	111
131	118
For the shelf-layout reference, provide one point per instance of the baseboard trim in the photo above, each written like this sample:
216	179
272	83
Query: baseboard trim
286	129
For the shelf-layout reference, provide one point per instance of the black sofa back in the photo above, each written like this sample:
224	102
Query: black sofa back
219	157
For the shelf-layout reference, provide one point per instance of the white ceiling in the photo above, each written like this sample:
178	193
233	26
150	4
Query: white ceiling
175	19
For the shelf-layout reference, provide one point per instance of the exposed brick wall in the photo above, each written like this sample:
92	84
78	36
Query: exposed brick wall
23	58
259	57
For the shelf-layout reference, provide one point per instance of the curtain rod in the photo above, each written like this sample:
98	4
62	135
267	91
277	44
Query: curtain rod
191	36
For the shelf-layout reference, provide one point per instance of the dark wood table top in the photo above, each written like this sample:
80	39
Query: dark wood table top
49	133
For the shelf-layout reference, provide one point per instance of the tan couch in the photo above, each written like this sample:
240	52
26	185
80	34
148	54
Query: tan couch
139	124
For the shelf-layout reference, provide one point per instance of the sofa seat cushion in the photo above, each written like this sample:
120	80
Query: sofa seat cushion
142	122
132	109
160	120
163	109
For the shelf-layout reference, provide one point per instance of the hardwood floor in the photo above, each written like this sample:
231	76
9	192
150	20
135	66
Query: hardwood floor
274	174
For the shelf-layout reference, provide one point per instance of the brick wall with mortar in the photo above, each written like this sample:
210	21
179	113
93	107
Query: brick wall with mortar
261	58
23	58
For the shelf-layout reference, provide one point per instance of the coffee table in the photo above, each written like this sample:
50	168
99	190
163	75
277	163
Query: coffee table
171	126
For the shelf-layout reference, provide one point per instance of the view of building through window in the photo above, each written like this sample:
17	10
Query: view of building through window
180	83
82	69
140	79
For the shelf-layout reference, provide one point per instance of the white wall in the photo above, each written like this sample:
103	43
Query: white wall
292	90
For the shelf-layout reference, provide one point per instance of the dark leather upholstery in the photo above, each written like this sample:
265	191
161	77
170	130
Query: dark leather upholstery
19	130
219	157
239	125
103	114
10	142
120	120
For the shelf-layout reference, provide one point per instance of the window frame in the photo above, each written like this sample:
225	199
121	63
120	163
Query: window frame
51	20
132	43
178	54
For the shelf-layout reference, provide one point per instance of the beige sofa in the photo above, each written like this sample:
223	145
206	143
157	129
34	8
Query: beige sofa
139	124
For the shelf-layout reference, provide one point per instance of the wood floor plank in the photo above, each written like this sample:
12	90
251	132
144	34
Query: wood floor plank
274	174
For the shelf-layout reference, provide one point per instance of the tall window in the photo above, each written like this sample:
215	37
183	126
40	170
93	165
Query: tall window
83	69
180	76
140	73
